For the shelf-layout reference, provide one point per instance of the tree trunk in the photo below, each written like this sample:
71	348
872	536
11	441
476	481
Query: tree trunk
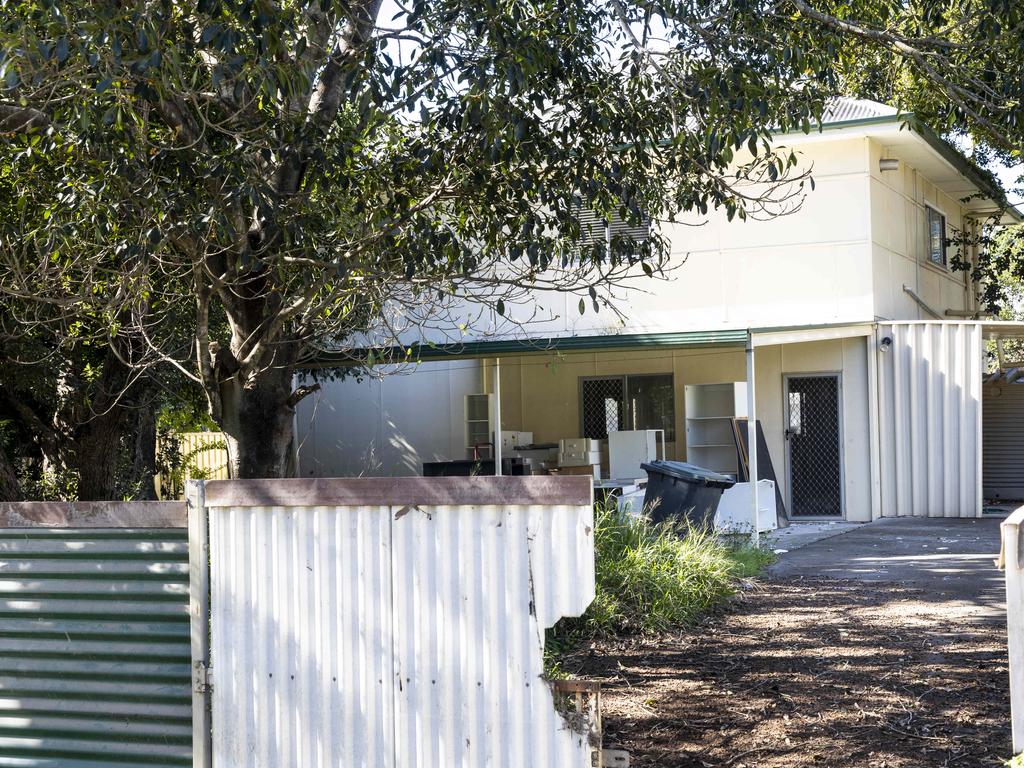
10	488
258	421
144	463
101	433
98	446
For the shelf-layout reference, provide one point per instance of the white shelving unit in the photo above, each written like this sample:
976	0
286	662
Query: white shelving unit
479	416
710	409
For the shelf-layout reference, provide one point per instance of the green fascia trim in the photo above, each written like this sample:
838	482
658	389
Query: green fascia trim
476	349
856	123
973	174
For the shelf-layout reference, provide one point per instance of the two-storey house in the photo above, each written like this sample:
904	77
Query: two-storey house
842	328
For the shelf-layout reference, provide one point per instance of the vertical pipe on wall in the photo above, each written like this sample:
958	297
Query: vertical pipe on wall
199	620
752	441
497	416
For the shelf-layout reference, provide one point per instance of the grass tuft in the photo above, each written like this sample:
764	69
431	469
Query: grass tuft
653	578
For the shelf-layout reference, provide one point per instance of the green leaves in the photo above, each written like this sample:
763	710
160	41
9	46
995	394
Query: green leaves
447	155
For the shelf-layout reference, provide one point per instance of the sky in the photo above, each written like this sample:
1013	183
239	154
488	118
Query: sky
1008	176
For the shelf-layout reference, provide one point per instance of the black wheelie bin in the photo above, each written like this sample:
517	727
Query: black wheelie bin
683	492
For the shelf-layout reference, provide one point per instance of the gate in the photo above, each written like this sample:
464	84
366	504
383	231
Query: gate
393	622
813	435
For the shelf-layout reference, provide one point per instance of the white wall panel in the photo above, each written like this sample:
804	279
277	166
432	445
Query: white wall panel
930	419
387	426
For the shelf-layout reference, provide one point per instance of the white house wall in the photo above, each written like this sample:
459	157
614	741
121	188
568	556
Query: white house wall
929	418
387	425
812	266
898	200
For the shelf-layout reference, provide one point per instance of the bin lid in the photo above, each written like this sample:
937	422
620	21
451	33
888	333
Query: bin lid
690	472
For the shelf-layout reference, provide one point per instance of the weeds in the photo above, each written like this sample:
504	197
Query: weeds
652	578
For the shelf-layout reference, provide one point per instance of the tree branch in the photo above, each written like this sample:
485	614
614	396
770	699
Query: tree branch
15	119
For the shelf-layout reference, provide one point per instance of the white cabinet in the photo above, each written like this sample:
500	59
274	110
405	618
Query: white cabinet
734	508
710	409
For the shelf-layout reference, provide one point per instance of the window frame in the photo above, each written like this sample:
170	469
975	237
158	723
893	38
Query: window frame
944	247
626	405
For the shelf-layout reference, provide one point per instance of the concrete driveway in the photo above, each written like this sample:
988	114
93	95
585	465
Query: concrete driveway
950	561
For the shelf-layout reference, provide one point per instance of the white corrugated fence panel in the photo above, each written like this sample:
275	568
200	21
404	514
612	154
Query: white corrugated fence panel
393	635
930	419
301	641
1003	442
475	588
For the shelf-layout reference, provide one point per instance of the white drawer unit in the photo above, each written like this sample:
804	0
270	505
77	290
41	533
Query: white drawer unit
580	452
579	445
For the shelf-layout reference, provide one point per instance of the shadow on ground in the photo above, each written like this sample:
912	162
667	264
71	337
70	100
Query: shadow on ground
812	672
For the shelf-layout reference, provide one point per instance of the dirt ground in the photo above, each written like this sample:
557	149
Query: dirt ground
844	674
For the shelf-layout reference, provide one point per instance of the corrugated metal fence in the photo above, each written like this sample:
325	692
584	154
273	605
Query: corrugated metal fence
94	635
394	622
378	622
930	418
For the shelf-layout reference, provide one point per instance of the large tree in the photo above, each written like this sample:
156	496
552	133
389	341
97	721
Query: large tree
297	170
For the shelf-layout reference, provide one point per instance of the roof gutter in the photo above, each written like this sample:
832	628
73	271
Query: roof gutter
415	353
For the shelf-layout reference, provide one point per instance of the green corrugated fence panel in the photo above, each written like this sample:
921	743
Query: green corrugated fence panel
94	648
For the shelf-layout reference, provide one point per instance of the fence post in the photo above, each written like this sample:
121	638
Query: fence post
199	613
1011	558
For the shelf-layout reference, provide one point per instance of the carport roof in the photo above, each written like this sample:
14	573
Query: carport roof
499	347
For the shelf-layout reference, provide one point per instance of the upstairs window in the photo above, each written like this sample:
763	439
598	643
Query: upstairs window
935	234
595	228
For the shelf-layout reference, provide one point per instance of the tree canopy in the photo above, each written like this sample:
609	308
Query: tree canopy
230	185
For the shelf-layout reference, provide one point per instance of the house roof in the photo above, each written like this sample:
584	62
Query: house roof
843	109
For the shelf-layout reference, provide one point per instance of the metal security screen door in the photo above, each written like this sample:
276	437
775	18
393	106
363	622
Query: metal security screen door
814	446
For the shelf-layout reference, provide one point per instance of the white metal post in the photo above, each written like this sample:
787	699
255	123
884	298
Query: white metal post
1011	558
752	441
199	616
497	416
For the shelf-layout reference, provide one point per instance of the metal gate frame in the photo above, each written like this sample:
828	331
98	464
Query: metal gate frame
838	376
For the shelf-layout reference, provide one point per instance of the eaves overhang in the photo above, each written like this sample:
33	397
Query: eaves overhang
422	352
